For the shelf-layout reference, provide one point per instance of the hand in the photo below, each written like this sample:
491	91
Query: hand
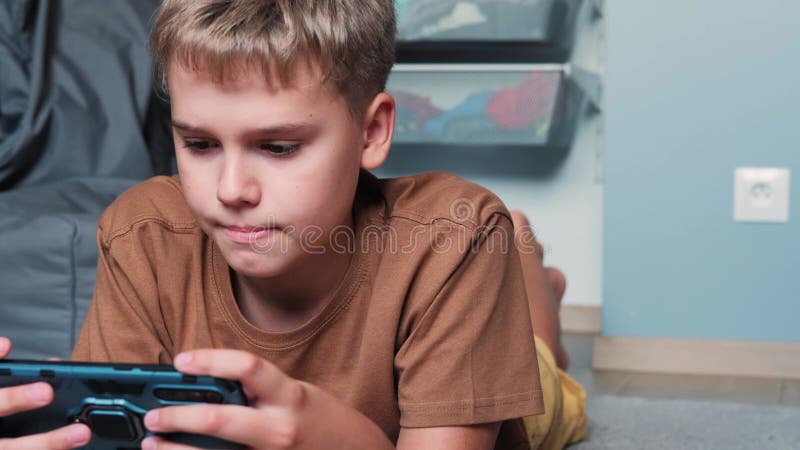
284	413
23	398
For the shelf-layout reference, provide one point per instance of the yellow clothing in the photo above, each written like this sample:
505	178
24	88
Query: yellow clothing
564	420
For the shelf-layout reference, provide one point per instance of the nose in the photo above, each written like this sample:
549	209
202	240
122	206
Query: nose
237	185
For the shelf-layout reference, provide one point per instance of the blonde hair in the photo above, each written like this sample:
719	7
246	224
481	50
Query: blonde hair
351	41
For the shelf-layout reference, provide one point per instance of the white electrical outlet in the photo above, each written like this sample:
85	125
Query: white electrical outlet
761	194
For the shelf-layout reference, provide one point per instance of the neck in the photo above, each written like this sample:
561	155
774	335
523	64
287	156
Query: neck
286	303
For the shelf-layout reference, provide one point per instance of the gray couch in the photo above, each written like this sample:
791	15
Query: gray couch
80	122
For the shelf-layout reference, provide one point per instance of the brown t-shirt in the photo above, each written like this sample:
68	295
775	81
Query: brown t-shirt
430	326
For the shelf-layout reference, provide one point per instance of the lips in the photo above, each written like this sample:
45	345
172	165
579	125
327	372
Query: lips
248	234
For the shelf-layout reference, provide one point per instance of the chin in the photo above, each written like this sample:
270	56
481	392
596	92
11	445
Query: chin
245	261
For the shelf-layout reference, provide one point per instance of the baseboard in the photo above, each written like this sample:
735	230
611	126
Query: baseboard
698	357
580	319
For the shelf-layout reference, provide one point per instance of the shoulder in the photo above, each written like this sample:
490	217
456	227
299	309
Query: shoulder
157	202
440	196
435	225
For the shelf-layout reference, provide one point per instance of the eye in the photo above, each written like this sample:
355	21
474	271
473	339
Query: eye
198	145
280	149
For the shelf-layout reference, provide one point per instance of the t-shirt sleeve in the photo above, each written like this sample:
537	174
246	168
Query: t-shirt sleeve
122	322
470	357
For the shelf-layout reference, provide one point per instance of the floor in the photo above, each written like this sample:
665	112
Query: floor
692	387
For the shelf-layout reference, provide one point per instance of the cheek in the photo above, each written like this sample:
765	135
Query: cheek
196	185
315	199
194	197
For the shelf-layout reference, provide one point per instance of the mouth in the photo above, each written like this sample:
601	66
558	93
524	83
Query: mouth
245	234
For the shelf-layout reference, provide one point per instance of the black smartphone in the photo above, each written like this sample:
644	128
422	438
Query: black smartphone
112	400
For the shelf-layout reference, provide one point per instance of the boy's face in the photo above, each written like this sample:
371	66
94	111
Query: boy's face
265	169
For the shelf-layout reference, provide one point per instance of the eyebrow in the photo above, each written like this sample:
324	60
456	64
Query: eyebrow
279	129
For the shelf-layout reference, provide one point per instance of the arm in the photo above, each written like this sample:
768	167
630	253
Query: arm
475	437
285	413
123	323
467	357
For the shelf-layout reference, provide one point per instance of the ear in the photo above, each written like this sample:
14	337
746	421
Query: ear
378	131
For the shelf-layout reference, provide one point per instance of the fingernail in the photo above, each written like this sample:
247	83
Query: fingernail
3	345
78	435
151	419
148	444
37	393
183	359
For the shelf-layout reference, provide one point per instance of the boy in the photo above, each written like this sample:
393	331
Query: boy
356	312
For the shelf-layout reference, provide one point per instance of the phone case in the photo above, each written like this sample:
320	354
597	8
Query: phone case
113	399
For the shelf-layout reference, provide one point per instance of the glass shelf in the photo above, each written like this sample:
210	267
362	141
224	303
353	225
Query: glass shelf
529	105
486	30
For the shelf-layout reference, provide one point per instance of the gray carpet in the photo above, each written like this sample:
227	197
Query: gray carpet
622	423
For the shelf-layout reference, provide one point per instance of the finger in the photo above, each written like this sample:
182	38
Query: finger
156	443
258	377
257	428
5	346
54	358
72	436
23	398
